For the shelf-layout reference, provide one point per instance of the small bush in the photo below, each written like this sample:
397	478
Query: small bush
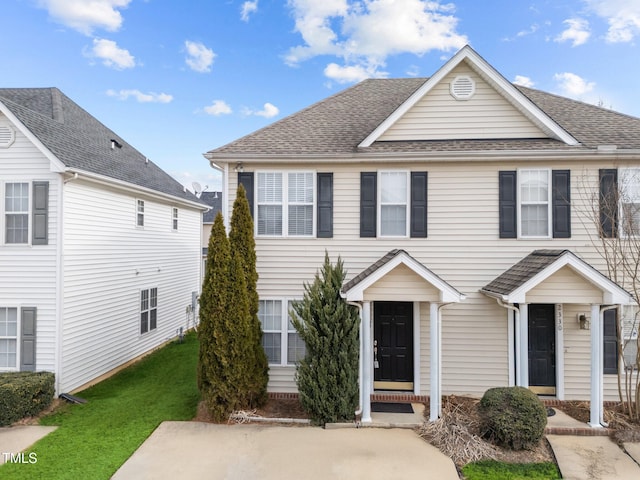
512	417
24	394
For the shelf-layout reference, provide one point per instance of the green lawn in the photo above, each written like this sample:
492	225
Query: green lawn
493	470
93	440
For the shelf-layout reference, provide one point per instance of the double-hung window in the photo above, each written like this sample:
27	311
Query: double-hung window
174	218
285	204
140	213
16	208
8	337
148	310
281	342
534	203
394	198
630	202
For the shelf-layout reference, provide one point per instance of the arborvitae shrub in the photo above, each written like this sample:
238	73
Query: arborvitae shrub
512	417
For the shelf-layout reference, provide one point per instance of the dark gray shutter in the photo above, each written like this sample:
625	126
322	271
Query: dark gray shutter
507	204
609	203
325	205
40	213
246	180
368	203
28	339
561	203
419	204
610	342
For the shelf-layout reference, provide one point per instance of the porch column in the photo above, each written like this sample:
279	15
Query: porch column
367	363
434	363
522	353
596	367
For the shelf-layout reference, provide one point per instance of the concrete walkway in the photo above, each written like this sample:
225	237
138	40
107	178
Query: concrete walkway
190	450
17	439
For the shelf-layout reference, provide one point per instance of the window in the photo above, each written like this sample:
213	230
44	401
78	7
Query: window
534	203
8	337
140	213
148	310
630	202
16	207
281	342
174	218
286	204
394	197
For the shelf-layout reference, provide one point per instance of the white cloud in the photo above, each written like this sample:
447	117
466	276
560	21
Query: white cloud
247	9
268	111
111	55
572	85
218	107
524	81
199	58
577	32
531	30
141	97
350	73
364	33
623	17
86	15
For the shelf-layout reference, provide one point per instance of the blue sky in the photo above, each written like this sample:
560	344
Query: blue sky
178	78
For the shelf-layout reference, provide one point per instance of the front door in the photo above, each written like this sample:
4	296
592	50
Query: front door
393	345
542	349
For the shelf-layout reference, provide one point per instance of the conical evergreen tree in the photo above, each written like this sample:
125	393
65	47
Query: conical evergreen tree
242	241
327	377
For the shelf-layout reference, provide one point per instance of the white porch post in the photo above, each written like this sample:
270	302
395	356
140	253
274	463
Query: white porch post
367	363
434	363
596	367
523	346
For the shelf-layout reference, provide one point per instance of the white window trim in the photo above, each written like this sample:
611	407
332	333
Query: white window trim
137	212
379	205
623	178
285	203
141	311
284	330
3	213
16	368
174	219
549	205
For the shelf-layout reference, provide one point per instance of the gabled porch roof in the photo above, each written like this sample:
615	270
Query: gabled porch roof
513	285
354	289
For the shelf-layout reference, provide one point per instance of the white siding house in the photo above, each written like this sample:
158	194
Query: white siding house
100	249
463	208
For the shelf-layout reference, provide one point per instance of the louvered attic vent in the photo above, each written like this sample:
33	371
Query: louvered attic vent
463	87
7	136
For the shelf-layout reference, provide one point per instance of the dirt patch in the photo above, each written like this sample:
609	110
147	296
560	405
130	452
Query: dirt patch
274	408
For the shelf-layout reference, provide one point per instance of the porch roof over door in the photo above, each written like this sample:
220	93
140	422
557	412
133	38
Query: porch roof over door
354	289
532	271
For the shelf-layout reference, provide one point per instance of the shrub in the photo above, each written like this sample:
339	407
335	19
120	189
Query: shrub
24	394
512	417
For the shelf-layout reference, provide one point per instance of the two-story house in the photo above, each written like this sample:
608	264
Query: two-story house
461	206
99	248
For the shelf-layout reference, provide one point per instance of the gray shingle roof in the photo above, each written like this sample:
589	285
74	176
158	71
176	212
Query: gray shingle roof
214	200
81	142
337	125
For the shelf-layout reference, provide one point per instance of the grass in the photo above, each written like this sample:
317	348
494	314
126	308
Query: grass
494	470
94	439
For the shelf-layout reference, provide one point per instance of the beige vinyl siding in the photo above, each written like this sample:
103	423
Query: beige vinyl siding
401	284
565	286
463	248
28	273
108	260
440	116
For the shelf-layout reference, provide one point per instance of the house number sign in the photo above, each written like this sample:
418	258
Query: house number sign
559	316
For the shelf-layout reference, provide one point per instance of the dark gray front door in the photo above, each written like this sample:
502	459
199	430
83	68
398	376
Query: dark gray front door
393	345
542	349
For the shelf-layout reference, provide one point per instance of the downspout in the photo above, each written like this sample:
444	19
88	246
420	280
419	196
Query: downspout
358	412
516	311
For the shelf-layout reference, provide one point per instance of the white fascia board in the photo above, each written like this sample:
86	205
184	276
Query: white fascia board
55	164
485	70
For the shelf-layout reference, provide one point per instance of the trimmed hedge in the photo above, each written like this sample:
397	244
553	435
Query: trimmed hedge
24	394
512	417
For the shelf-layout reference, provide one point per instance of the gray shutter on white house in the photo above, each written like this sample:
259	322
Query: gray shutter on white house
368	204
40	213
507	204
608	202
325	205
418	216
561	203
246	180
610	342
28	339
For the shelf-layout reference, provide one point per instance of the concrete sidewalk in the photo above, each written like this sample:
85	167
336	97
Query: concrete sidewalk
190	450
14	440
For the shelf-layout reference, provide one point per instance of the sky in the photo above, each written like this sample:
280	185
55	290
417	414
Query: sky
176	79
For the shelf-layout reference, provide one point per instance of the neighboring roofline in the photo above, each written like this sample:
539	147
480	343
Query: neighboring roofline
56	164
132	187
490	74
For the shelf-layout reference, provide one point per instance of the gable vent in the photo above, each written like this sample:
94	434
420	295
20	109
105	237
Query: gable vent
463	87
7	136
